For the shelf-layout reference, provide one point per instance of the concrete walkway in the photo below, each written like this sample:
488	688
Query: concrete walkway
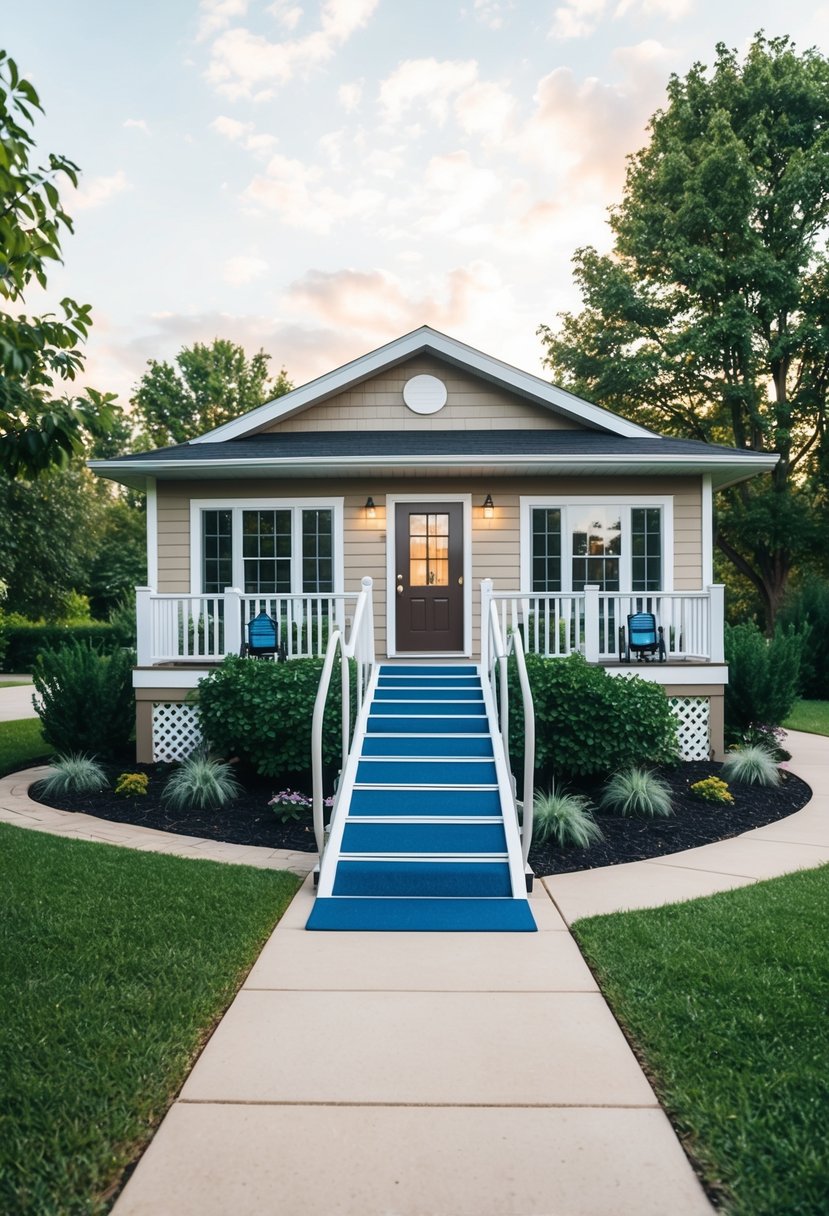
16	703
446	1074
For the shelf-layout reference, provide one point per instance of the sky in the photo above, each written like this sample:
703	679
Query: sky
317	178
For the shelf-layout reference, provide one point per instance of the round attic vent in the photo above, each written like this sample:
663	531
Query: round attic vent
424	394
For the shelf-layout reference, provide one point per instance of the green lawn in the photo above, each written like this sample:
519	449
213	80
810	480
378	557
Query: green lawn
14	683
811	716
21	745
725	1001
116	966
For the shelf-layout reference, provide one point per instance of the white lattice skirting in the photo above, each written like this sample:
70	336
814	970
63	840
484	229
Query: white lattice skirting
694	717
176	730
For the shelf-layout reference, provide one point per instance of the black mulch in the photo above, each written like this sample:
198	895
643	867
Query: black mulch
249	821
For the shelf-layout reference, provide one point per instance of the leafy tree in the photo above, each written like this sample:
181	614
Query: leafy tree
208	386
710	318
39	356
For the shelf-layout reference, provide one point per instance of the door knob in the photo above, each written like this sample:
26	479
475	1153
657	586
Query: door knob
460	581
399	588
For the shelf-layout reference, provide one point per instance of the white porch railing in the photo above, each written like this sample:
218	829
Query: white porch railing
555	624
206	628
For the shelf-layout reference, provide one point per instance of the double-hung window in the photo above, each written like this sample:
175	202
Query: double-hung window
267	548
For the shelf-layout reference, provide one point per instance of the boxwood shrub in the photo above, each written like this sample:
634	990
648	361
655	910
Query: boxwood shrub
590	723
261	712
85	699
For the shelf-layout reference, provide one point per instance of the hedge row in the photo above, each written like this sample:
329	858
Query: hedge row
23	643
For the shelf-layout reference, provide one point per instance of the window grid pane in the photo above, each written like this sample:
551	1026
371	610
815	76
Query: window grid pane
266	552
317	559
217	551
646	547
546	549
429	550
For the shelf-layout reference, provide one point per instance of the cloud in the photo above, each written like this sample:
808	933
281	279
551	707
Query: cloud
298	194
287	14
350	95
580	18
430	82
247	65
241	270
100	190
485	109
217	15
492	13
243	133
140	124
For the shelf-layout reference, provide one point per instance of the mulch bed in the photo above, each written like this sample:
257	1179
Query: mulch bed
249	821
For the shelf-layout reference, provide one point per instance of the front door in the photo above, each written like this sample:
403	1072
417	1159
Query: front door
429	576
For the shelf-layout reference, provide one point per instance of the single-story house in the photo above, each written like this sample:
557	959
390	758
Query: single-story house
431	468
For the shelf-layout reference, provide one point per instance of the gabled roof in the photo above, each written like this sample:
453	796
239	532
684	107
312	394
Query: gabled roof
429	341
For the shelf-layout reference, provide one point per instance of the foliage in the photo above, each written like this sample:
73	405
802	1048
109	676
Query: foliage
806	608
122	621
124	961
27	641
85	699
712	789
708	320
636	791
132	785
261	712
290	805
39	356
74	774
210	385
21	745
565	818
724	1001
770	738
119	564
763	676
751	766
590	722
201	783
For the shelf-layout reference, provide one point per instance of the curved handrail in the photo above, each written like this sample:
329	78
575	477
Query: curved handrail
334	641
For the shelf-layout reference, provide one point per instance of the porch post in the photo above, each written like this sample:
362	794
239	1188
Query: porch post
233	621
486	600
591	623
143	627
716	622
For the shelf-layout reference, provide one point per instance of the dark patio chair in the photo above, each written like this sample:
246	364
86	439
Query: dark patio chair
263	638
644	637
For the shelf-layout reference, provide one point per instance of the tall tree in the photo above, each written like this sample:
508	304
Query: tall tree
208	386
710	318
41	424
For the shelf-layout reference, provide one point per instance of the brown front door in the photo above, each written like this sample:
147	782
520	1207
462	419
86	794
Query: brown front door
429	576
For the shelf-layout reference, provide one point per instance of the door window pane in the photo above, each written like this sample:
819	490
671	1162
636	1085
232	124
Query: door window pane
217	551
429	550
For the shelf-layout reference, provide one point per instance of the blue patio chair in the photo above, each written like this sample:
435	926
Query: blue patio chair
263	638
644	637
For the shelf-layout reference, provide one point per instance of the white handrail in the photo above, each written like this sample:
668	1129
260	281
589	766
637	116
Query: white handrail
334	642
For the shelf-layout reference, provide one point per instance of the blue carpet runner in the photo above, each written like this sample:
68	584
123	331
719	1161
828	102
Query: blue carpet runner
424	846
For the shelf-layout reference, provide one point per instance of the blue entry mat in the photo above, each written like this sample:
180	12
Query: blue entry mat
424	879
422	916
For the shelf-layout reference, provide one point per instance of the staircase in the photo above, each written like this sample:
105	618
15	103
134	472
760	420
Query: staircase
424	836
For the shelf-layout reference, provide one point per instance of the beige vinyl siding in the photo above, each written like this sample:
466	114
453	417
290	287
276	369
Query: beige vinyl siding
495	542
377	405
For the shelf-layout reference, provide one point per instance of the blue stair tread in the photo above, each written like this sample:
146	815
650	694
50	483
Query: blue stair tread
367	837
426	772
390	681
422	916
424	879
420	745
427	669
403	705
473	696
372	802
403	725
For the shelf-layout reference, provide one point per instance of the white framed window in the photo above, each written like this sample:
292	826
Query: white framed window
266	546
618	543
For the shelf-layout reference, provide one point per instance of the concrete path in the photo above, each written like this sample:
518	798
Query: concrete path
16	703
445	1074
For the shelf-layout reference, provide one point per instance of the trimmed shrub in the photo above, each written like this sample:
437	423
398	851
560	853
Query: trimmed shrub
637	792
751	766
588	722
200	784
806	609
714	790
763	676
565	818
132	785
262	711
75	774
85	700
26	641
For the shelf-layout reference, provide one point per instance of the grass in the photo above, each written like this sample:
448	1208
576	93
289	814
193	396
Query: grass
14	683
811	716
117	965
21	745
724	1000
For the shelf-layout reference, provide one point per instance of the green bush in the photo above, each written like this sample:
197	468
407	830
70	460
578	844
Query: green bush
85	700
261	712
751	766
201	784
763	676
588	722
26	640
806	608
75	774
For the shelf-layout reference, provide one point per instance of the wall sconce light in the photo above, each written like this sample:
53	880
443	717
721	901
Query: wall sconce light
489	507
371	510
